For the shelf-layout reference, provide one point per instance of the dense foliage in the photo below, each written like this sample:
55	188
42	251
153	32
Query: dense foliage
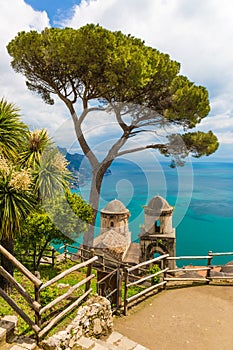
62	220
34	191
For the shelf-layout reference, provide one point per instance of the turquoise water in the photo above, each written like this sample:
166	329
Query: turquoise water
201	193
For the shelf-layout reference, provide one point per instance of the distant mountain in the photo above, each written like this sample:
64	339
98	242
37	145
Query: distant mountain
78	165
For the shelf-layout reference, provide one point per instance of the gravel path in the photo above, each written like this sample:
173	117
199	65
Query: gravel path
194	318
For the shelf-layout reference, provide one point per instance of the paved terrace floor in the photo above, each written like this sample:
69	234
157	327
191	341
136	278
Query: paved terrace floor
194	318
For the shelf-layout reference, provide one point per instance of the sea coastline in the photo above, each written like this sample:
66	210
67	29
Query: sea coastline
201	194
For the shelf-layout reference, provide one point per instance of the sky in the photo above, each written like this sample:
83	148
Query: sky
196	33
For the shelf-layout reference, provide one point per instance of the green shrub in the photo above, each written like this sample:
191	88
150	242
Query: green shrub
153	269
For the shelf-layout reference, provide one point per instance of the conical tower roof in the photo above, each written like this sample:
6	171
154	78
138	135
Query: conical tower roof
158	205
115	207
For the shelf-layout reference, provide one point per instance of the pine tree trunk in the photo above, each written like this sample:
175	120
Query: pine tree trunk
97	179
8	244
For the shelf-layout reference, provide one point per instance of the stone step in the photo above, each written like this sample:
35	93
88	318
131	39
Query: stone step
85	343
101	344
122	342
8	324
115	341
2	336
8	340
19	346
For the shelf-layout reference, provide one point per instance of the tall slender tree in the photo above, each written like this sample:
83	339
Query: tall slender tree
103	69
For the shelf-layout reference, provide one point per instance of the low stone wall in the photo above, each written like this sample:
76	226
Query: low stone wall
93	320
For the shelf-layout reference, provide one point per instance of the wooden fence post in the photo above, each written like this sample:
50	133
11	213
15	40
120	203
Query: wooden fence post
103	262
126	277
65	250
37	299
119	288
80	254
210	254
89	268
53	257
163	266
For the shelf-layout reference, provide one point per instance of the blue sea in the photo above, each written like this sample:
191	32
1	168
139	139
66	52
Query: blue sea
201	193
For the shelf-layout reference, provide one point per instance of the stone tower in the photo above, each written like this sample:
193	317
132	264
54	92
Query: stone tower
115	216
158	235
115	237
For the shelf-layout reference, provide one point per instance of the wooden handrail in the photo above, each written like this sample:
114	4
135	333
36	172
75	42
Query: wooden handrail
161	257
37	282
67	272
188	257
194	279
147	278
182	269
147	290
36	306
56	319
222	254
19	311
66	295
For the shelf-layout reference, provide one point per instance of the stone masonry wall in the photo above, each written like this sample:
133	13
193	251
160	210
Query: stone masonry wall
93	320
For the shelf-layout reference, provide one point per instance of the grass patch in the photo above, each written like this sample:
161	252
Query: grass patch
133	290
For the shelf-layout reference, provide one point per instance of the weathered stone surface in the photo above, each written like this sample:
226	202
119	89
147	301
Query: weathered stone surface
17	347
51	344
85	343
10	318
100	347
26	342
9	323
2	336
93	320
114	337
97	329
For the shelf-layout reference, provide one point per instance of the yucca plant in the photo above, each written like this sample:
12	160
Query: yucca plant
12	130
48	166
37	142
17	200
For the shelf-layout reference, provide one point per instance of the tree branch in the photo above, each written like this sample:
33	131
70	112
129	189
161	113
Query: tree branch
123	126
86	111
82	141
138	149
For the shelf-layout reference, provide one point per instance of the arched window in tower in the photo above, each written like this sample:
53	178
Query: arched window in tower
157	226
111	224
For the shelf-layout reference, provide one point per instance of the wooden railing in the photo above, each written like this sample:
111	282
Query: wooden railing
139	275
48	257
168	275
209	266
41	326
131	280
103	263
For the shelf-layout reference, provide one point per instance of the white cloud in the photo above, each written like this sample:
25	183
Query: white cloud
225	137
13	19
196	33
